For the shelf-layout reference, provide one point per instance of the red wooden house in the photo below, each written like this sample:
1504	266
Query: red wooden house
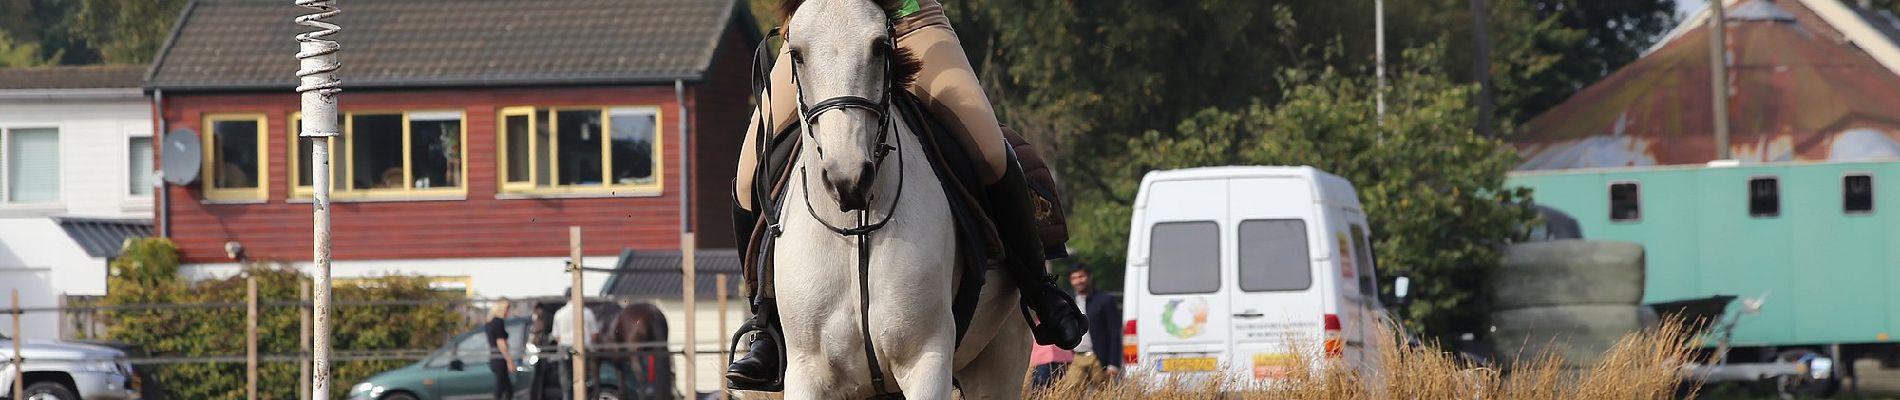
475	133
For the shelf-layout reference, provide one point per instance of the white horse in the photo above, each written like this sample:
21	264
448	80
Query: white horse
842	65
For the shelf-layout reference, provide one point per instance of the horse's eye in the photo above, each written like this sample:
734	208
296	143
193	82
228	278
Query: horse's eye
797	56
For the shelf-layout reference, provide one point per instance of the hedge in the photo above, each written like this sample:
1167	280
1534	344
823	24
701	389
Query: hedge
147	273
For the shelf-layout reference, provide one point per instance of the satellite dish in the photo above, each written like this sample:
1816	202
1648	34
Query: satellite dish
183	156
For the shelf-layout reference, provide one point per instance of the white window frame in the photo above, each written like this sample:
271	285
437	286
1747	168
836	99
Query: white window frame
126	165
6	144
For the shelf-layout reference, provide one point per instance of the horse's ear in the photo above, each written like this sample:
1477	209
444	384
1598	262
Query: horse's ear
785	9
905	65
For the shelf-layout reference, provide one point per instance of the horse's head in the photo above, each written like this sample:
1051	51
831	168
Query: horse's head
846	67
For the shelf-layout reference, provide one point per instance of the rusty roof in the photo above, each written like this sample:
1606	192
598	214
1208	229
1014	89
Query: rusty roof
72	77
248	44
1796	93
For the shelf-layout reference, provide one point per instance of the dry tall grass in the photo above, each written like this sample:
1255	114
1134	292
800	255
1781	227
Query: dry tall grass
1643	365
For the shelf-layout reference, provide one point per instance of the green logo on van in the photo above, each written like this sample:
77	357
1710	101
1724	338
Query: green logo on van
1196	318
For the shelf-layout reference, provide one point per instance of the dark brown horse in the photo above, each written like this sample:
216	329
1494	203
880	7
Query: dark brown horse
633	341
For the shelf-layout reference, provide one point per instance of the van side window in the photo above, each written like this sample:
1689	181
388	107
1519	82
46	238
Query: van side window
1857	194
1625	202
1273	255
1362	253
1184	258
1764	197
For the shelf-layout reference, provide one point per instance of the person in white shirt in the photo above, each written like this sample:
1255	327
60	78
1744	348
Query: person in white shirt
564	337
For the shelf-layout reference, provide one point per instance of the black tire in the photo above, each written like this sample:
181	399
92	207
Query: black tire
49	391
1580	334
1568	272
607	393
399	396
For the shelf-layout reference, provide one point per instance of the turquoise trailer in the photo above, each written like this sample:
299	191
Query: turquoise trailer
1818	240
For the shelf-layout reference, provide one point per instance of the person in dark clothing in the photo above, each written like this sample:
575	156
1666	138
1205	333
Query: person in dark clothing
1103	343
498	361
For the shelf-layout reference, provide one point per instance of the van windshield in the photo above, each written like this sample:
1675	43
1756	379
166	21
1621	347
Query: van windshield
1273	255
1184	258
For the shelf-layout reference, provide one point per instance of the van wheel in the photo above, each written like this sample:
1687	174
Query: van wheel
399	396
49	391
1808	385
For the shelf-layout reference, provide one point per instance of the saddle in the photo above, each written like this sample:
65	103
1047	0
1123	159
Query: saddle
978	242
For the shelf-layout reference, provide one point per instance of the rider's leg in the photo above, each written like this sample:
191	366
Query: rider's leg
759	365
949	87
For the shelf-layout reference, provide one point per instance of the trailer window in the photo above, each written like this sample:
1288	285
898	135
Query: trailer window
1625	202
1273	255
1857	194
1764	197
1184	258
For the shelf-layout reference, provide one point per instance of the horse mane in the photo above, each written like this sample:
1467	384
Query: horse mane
905	64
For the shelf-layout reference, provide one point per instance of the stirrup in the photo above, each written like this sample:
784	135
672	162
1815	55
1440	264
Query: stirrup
732	354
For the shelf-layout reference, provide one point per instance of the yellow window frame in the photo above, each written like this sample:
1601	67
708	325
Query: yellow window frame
208	176
343	154
298	189
533	186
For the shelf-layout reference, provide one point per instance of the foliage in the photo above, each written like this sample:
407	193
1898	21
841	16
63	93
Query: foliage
16	53
1432	188
1642	365
146	273
125	32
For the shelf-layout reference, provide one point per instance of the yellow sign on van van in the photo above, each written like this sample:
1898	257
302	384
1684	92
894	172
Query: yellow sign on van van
1192	364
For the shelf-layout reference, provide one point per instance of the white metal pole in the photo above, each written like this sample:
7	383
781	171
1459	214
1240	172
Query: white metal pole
318	88
1378	33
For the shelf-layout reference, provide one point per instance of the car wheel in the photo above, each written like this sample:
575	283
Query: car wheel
399	396
49	391
607	393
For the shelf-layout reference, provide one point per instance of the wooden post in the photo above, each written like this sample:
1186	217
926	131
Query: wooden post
721	290
250	338
580	322
689	291
19	364
303	340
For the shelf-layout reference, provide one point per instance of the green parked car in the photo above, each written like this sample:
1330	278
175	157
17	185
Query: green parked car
459	370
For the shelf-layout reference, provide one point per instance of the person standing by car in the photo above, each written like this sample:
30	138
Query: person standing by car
1100	355
564	336
498	361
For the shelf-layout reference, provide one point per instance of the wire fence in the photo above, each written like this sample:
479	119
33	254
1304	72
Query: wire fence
91	320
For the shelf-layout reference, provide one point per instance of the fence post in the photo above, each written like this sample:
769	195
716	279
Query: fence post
19	364
689	289
580	308
303	340
250	338
721	290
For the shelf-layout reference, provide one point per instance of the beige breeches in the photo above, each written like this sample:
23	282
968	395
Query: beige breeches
947	85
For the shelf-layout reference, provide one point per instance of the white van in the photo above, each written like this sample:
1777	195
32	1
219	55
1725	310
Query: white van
1227	266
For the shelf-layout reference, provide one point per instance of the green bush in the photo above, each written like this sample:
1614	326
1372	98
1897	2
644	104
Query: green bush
146	273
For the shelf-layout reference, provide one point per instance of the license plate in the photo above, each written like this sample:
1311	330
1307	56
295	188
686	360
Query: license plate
1272	366
1196	364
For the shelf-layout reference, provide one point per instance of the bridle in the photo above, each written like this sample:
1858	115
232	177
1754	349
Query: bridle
878	150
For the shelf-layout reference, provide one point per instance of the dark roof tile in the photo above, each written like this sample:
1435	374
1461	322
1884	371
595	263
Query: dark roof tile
73	77
249	44
656	274
103	237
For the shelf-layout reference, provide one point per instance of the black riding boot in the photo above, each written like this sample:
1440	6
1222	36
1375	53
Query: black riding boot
759	369
1058	320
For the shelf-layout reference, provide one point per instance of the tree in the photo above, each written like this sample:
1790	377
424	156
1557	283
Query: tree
15	53
125	32
1433	189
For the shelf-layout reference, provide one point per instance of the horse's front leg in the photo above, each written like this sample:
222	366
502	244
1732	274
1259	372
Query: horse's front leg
925	374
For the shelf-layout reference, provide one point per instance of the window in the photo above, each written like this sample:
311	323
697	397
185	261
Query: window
138	162
1184	258
300	168
578	149
474	349
31	164
1273	255
1368	271
1625	202
234	157
381	153
1764	197
1857	194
